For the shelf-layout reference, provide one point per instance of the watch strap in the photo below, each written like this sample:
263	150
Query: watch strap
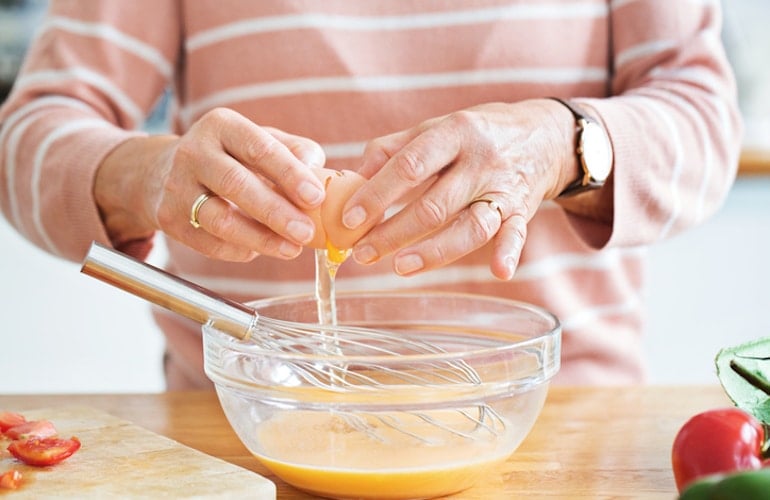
585	182
577	113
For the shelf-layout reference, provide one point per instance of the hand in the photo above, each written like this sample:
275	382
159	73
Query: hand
259	179
513	156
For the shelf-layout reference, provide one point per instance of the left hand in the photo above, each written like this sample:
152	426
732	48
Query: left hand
514	155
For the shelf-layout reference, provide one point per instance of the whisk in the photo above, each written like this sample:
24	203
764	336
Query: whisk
337	341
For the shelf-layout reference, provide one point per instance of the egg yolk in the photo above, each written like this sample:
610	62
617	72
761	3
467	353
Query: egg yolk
334	254
339	461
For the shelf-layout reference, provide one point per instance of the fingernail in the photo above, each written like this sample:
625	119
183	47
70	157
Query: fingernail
409	263
300	231
310	193
288	250
510	266
313	156
354	217
365	254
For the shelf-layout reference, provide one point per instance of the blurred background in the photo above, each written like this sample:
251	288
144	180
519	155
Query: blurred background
65	332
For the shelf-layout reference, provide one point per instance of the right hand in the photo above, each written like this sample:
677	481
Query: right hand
259	178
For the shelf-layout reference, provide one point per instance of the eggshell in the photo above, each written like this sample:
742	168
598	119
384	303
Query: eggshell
340	186
319	238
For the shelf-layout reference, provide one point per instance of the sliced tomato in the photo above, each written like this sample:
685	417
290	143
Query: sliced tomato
11	479
43	451
10	419
32	429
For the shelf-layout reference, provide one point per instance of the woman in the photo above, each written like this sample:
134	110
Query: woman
443	106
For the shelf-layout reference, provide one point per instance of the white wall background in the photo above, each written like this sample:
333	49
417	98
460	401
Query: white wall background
63	331
710	287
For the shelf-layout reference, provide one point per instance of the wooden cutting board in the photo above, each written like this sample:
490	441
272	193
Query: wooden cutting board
119	459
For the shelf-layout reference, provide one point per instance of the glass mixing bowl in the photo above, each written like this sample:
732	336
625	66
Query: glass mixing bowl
413	422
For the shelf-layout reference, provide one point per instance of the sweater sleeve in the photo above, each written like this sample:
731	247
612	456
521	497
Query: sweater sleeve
673	121
92	74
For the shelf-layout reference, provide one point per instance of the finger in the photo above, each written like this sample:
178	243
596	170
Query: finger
305	150
473	228
436	207
261	152
419	160
196	237
215	248
508	245
378	151
271	158
258	200
226	223
226	177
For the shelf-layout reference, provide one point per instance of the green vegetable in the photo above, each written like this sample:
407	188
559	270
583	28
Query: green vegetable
746	485
744	372
701	489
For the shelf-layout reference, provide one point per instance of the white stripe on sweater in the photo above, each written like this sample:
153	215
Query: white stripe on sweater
69	128
641	50
700	78
109	34
592	314
391	83
707	146
390	23
617	4
678	161
51	78
17	123
344	150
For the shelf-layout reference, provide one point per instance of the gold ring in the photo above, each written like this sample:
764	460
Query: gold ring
492	204
196	207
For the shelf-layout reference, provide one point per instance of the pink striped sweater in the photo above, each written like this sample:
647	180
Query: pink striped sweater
343	72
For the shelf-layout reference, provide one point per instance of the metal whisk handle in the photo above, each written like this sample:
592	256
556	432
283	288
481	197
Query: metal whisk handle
169	291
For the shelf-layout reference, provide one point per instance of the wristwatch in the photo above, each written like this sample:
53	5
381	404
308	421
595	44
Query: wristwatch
593	150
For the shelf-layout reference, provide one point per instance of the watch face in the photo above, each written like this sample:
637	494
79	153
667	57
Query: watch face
596	150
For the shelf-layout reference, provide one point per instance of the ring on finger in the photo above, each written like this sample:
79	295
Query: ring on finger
196	208
492	205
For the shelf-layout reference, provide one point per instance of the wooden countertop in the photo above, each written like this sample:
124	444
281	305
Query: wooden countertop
754	161
588	443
